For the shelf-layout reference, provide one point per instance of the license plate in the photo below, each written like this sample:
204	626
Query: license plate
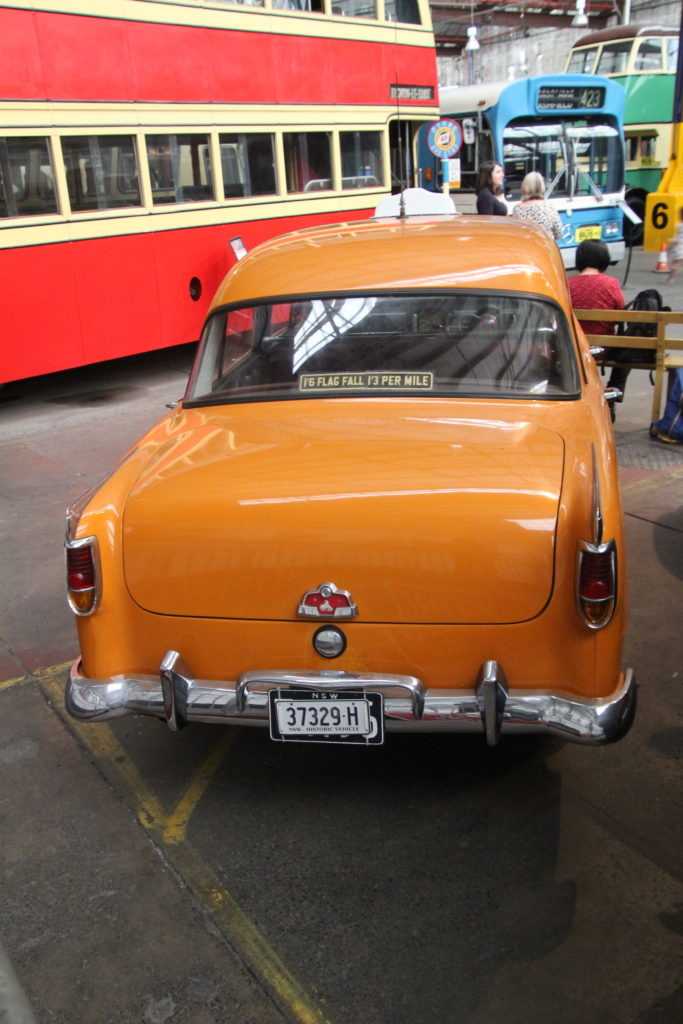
589	232
312	716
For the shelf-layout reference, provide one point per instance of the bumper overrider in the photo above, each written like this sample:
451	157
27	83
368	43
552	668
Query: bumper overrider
490	707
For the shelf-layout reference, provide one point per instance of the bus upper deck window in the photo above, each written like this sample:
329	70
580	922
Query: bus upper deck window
649	56
354	8
296	5
582	62
406	11
671	54
614	58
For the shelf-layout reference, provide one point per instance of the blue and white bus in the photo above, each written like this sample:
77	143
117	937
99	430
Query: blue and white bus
567	127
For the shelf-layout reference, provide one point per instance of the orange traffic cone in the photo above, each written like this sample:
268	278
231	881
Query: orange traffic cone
663	261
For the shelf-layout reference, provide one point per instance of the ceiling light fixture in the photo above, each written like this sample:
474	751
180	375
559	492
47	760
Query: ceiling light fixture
472	41
580	18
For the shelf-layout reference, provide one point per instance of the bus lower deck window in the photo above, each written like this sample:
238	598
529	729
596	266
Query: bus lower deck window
27	186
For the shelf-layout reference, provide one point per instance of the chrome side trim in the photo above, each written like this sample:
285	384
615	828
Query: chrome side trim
492	708
596	512
76	508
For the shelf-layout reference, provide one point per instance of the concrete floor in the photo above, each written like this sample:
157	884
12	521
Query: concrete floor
107	913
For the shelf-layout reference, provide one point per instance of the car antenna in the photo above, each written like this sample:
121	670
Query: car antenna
401	198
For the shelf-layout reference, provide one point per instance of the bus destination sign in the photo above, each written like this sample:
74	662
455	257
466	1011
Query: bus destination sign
570	97
411	92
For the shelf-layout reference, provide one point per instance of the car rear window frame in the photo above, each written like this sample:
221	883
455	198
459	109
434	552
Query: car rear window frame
564	326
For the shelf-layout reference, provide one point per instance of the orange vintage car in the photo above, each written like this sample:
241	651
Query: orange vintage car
387	501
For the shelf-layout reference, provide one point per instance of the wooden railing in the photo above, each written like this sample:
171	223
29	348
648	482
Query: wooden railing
667	352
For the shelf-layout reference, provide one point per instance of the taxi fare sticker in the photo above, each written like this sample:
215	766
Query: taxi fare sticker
379	379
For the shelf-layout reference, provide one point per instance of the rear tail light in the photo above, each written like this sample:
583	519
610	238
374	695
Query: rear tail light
597	583
83	575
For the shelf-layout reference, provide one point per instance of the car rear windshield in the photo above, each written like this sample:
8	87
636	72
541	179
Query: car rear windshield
453	345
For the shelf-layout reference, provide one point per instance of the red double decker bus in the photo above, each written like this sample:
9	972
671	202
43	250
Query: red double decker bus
145	144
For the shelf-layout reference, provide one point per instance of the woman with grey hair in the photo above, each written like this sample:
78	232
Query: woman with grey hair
534	206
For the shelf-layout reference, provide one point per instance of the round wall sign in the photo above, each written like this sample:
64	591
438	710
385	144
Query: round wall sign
444	138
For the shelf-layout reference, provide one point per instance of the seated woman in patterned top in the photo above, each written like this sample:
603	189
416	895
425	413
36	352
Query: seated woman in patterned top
534	206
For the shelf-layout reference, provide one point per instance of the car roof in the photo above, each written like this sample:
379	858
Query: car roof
500	253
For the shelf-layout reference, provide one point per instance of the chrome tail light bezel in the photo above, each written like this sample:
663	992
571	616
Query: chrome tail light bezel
96	589
587	550
597	548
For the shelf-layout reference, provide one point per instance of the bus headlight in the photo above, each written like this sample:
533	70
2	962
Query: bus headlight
567	233
610	229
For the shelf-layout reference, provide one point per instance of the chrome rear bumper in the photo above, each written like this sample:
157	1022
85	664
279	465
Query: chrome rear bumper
490	707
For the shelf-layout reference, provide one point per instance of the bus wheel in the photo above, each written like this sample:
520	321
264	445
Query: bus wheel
633	233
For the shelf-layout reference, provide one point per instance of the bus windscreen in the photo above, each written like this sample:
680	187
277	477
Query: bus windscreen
574	158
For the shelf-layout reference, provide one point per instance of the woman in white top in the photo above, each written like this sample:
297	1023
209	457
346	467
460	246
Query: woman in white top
534	206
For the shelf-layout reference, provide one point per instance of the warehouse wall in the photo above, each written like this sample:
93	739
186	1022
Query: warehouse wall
507	52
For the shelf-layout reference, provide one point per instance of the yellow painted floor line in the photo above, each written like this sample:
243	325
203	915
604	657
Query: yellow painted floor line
234	924
54	670
287	992
9	683
31	677
175	826
109	754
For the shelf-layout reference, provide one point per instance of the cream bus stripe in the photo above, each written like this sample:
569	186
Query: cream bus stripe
257	20
110	224
33	118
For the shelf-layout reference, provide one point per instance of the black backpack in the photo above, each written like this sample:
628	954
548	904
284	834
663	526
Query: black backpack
648	300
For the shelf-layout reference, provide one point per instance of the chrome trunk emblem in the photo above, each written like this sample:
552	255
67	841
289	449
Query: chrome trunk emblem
327	603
